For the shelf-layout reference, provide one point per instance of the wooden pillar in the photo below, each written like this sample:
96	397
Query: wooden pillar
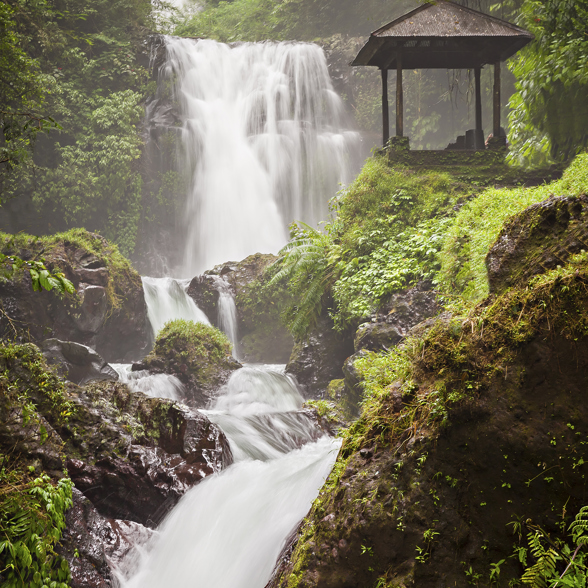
385	108
479	134
399	98
496	101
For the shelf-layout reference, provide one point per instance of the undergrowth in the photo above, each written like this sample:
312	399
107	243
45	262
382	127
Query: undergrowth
477	225
457	358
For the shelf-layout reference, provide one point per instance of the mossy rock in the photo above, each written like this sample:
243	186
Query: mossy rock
476	422
537	240
199	355
108	310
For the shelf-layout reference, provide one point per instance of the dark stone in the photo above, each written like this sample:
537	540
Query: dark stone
537	240
202	290
402	312
76	362
262	336
134	456
91	543
318	359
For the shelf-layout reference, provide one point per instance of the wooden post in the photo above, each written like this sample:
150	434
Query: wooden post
479	136
496	101
399	98
385	108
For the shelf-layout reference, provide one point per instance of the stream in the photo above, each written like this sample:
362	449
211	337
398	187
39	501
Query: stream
263	143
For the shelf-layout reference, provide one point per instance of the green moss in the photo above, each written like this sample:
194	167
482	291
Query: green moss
27	381
194	349
457	358
479	222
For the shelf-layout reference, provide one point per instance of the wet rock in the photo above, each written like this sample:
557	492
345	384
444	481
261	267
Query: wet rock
318	359
353	388
108	312
76	362
134	456
205	295
537	240
91	543
262	336
403	311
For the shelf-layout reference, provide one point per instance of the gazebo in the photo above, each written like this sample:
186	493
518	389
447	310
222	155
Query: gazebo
442	35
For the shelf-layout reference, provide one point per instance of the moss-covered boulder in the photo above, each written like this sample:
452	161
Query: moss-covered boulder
197	354
473	434
108	311
537	240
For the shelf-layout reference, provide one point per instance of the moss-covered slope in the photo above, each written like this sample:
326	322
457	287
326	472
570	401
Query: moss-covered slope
478	421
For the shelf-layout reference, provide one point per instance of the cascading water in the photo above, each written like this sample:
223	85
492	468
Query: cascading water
227	313
155	385
264	143
167	300
229	530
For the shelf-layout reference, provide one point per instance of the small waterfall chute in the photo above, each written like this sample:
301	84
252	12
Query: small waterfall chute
168	300
155	385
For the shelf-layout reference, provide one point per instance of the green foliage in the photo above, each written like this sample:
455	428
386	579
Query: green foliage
26	382
257	20
387	235
550	111
307	263
479	222
557	562
41	277
22	94
32	518
83	63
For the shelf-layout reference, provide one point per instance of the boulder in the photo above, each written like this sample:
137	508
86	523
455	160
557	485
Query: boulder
76	362
391	324
537	240
92	543
108	311
262	336
134	456
203	291
319	358
197	354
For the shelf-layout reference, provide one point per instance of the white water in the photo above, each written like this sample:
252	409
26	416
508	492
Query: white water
155	385
264	143
227	313
167	300
229	530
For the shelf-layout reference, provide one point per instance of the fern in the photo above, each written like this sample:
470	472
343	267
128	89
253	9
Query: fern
539	573
308	263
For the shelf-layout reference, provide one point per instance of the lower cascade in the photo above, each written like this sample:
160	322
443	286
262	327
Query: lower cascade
228	531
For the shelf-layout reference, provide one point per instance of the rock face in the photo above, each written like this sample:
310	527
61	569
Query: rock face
393	322
539	239
319	359
262	337
135	456
91	542
482	426
77	363
108	313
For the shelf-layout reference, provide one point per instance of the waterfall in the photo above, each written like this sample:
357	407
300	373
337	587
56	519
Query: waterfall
228	531
168	300
263	142
155	385
227	312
